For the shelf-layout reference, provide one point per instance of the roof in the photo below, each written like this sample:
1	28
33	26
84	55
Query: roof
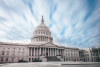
10	43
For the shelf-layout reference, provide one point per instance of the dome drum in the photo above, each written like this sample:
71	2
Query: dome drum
42	39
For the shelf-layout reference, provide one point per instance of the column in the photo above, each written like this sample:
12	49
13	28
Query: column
45	51
34	52
98	55
31	51
40	50
60	51
45	39
28	51
48	51
31	54
48	39
63	52
51	52
55	51
42	38
39	38
37	51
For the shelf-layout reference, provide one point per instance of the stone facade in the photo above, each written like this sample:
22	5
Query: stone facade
42	48
90	55
10	52
71	54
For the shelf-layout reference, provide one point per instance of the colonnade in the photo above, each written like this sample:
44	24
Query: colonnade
44	51
42	38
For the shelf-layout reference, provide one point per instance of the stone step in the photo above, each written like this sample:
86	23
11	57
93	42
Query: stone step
52	58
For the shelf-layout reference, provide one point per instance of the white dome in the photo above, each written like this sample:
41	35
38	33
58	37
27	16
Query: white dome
41	34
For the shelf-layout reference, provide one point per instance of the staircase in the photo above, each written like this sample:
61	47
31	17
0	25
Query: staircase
52	58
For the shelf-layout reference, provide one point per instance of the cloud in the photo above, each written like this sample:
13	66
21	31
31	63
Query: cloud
72	23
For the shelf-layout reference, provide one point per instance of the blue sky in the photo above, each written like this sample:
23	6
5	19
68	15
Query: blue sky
73	23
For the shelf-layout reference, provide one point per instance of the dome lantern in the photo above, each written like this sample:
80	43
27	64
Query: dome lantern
42	21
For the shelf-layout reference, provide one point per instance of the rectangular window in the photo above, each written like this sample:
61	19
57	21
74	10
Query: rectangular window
68	54
1	59
3	52
13	52
12	59
8	52
6	59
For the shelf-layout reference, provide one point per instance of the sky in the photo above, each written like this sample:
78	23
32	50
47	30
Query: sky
73	23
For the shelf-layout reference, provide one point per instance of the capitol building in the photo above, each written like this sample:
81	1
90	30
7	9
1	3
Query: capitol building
43	49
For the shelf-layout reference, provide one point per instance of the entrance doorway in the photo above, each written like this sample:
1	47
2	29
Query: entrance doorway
46	54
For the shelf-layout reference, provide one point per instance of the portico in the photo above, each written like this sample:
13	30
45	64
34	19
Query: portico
36	52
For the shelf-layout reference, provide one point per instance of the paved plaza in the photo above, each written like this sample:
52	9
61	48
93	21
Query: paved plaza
52	64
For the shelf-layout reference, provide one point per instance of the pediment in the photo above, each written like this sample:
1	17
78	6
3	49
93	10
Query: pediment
49	45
